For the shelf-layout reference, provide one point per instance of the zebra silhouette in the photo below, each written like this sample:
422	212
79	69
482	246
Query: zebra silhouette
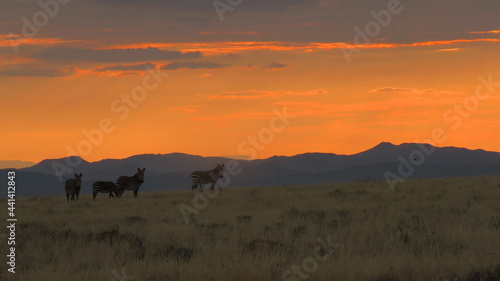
133	182
72	187
106	187
203	177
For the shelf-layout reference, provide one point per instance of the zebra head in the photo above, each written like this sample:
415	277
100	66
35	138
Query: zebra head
140	174
78	180
220	170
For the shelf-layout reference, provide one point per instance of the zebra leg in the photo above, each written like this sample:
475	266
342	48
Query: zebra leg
94	194
67	196
135	192
212	186
111	195
72	196
78	193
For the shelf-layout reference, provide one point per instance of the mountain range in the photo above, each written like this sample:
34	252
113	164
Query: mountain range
171	171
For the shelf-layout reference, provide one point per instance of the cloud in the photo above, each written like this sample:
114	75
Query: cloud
450	50
113	55
208	6
193	65
236	116
391	90
8	40
231	33
37	72
408	100
275	65
235	47
485	32
308	93
183	109
244	95
253	94
412	92
229	56
296	20
129	67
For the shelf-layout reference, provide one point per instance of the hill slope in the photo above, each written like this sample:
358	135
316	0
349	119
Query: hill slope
171	171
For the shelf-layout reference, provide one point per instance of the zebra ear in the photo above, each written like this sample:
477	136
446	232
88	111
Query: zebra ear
144	170
76	175
139	169
81	174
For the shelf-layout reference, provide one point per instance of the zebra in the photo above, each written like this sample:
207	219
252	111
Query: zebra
106	187
72	187
203	177
133	182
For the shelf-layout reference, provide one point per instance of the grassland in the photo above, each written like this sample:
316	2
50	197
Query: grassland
442	229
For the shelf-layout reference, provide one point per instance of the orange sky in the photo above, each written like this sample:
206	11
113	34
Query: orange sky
219	93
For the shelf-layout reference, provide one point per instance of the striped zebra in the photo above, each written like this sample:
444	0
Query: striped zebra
203	177
133	182
106	187
72	187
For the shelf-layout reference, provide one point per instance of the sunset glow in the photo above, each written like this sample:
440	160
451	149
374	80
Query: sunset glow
187	82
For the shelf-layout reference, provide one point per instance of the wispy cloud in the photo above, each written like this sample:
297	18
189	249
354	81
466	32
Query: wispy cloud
217	48
244	95
183	108
7	40
128	67
193	65
113	55
308	93
391	90
236	116
450	50
27	71
257	94
411	91
274	65
405	100
486	32
231	33
207	6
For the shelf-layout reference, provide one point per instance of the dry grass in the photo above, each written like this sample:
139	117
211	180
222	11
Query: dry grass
432	230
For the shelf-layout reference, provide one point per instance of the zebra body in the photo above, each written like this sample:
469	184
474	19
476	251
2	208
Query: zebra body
133	182
203	177
73	186
106	187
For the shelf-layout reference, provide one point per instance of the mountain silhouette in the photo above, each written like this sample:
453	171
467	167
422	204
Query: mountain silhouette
171	171
15	164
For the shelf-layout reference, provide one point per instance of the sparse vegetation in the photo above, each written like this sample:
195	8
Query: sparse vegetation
442	229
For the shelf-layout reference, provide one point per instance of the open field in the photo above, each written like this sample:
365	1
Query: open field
432	230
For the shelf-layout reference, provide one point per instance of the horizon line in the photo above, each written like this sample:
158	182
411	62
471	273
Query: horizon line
234	157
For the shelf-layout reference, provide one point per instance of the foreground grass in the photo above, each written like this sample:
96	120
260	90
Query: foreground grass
431	230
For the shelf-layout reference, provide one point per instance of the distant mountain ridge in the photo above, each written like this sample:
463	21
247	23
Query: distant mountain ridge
171	171
16	164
